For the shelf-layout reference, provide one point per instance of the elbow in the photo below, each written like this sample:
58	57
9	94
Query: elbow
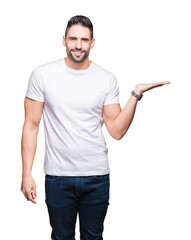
28	126
117	133
115	136
118	137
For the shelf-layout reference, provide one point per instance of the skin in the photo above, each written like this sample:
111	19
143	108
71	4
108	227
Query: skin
78	44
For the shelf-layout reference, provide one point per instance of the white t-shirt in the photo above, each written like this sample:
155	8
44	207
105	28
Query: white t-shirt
72	114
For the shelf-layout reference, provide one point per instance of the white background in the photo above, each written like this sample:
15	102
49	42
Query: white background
139	41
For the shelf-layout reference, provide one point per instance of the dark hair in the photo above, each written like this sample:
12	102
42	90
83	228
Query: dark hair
79	19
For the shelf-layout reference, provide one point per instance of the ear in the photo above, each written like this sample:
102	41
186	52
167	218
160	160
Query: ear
92	43
64	41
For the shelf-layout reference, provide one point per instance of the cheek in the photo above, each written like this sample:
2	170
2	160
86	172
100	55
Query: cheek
86	47
70	46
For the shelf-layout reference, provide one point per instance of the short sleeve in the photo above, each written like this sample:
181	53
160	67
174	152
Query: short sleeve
113	93
35	86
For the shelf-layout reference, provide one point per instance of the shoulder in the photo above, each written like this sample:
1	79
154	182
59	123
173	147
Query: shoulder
52	65
102	71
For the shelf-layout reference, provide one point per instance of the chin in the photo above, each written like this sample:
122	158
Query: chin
76	59
79	60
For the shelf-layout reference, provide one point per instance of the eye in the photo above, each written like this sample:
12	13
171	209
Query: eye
72	38
85	39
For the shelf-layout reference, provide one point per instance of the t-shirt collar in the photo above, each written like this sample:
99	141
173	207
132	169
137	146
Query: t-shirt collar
86	70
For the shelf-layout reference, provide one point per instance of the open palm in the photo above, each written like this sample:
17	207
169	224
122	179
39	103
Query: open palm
143	87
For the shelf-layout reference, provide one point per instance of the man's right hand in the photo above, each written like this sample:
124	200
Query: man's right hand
28	187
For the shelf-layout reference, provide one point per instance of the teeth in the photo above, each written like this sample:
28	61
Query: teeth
77	52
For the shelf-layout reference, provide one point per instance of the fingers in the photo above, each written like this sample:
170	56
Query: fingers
143	87
30	195
28	187
161	83
34	194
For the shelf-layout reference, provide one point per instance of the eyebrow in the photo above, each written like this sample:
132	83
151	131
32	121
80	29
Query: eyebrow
81	38
85	39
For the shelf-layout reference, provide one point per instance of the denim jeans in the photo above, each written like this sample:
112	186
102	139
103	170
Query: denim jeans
68	195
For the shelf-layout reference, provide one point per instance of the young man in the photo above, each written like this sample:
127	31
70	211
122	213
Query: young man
76	96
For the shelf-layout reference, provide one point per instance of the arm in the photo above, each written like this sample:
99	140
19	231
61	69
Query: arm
118	121
33	112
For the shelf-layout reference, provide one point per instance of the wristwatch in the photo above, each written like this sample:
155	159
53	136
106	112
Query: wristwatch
137	96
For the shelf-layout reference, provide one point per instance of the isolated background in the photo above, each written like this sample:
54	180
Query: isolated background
139	41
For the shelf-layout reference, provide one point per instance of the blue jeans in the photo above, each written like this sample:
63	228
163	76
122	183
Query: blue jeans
68	195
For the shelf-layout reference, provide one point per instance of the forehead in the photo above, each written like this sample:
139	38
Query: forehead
79	31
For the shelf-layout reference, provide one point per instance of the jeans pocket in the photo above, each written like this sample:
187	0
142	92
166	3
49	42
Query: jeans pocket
51	178
102	177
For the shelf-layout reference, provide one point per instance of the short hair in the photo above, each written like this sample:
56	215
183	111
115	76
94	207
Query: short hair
82	20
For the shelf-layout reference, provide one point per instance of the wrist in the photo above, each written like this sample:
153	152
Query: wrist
137	95
138	92
26	175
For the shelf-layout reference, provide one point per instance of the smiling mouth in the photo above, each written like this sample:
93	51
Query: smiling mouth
77	53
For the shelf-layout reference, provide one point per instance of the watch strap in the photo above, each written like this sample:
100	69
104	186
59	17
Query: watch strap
137	96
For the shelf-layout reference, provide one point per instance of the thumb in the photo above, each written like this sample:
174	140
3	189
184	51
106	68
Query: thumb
34	193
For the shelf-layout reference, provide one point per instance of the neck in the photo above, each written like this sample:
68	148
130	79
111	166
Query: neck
78	66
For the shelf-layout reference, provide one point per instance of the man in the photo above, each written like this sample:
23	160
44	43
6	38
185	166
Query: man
75	96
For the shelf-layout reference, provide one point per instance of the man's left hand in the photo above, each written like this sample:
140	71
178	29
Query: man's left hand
143	87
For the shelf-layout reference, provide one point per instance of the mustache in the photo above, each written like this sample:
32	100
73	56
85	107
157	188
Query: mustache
78	49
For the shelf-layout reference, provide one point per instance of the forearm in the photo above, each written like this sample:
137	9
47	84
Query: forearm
125	117
28	148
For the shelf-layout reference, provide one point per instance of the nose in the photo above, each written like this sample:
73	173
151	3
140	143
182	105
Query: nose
78	44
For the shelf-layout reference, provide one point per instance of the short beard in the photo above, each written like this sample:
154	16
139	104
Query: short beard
86	54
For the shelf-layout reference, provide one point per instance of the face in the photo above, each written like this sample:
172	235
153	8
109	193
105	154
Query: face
78	43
